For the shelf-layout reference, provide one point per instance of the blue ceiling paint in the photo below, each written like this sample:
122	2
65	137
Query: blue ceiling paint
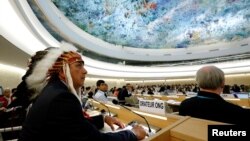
160	23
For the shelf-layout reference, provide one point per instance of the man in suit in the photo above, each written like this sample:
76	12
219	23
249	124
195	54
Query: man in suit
101	91
208	104
57	113
126	92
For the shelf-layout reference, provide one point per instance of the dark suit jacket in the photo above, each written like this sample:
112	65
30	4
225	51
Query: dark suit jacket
57	115
21	96
213	107
124	93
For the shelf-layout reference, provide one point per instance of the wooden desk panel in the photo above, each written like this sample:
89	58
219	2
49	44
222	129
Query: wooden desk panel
180	98
164	134
240	102
192	129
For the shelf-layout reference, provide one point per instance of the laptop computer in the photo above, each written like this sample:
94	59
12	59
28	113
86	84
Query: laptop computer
241	95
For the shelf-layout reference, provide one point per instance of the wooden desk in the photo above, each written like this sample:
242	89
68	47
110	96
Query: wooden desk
164	134
173	127
127	116
192	129
240	102
186	129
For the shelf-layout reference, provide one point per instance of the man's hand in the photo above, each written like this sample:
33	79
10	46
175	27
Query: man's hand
3	109
139	132
112	120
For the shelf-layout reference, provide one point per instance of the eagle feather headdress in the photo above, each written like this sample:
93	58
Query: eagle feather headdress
38	79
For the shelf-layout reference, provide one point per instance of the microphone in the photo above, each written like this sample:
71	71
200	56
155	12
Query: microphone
102	105
117	103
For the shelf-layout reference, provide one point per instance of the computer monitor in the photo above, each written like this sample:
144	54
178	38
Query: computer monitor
242	95
1	90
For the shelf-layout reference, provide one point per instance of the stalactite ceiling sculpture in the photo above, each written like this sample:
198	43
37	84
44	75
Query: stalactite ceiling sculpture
160	23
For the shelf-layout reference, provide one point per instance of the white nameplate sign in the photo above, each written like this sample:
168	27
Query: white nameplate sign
152	106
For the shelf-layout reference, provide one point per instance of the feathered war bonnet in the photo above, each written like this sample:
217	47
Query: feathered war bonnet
56	60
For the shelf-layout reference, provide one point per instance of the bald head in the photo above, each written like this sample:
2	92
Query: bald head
210	77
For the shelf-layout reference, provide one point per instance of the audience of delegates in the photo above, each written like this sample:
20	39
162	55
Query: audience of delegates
5	100
236	88
172	89
23	95
21	99
179	89
56	114
8	116
208	104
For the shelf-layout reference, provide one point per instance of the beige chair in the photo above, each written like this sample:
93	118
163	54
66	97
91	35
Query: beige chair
9	129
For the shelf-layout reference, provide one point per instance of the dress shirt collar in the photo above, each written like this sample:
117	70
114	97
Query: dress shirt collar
209	95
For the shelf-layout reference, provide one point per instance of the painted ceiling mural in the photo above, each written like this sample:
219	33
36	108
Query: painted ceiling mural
160	23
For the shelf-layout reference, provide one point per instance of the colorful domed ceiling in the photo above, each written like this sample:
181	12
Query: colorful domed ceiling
160	24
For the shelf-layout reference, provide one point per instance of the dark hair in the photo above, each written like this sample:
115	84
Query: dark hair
88	88
23	94
226	89
99	82
33	60
13	90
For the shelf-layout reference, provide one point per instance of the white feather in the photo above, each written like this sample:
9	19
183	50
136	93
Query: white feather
65	46
70	83
37	80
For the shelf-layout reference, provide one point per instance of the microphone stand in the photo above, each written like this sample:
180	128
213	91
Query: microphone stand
102	105
116	103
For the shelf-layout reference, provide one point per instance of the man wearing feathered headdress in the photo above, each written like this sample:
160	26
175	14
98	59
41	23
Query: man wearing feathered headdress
56	113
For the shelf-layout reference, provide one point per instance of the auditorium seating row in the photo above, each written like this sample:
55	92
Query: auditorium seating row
180	98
